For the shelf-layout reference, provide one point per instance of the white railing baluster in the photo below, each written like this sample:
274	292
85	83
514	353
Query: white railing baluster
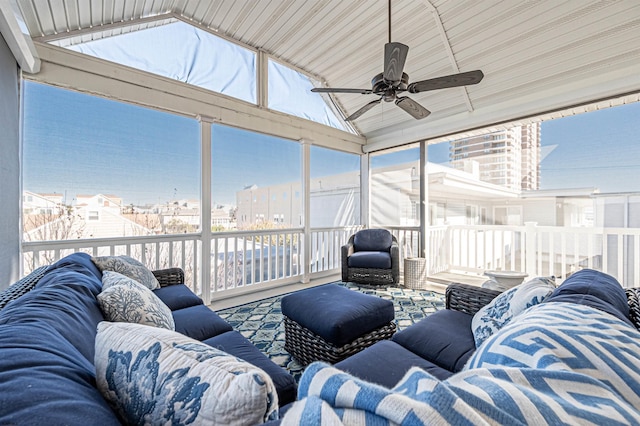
276	255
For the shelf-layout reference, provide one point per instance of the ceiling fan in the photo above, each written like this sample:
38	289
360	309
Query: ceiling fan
393	81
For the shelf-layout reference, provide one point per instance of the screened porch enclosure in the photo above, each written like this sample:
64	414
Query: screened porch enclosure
216	157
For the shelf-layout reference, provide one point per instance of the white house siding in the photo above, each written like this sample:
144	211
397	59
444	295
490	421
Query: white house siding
111	224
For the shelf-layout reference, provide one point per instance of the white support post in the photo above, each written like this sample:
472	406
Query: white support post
530	244
205	210
365	206
262	79
424	201
306	209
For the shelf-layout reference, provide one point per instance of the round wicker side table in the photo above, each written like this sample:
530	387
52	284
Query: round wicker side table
415	273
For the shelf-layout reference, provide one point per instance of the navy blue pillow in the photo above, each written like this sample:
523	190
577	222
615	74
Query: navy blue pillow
44	380
596	289
372	240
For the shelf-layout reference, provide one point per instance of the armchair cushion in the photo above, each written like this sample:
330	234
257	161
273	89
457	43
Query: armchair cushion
370	259
372	240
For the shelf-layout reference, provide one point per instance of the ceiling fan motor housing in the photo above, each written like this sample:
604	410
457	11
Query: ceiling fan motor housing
380	86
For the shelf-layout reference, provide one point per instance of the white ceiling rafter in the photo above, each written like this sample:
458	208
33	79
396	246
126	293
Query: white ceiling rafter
447	45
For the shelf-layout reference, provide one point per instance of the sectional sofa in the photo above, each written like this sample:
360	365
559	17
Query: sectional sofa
49	361
565	355
48	345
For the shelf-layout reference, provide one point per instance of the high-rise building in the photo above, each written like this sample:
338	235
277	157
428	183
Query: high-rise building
530	157
509	158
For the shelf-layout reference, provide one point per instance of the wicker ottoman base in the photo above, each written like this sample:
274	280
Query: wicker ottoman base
306	346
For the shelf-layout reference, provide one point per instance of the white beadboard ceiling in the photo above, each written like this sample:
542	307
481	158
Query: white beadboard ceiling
537	56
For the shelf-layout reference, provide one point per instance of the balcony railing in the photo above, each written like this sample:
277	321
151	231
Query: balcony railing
537	250
249	260
240	261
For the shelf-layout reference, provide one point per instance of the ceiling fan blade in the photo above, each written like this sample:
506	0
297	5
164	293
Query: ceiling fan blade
362	110
453	80
414	109
339	90
395	55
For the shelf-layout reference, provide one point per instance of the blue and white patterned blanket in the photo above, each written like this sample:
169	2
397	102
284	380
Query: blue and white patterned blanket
558	363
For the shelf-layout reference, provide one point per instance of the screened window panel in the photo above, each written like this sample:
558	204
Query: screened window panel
335	188
256	176
290	92
97	168
395	188
185	53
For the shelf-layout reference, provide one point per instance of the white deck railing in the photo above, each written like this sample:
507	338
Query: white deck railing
239	259
247	260
537	250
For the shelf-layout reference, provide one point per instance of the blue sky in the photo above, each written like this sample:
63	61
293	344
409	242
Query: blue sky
597	149
82	144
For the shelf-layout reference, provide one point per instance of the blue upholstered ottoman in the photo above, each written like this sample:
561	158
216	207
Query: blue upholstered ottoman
330	322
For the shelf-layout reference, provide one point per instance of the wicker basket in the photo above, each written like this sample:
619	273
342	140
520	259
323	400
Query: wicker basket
415	272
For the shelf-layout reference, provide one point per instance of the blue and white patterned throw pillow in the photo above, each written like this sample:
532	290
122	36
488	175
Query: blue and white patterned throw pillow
125	300
128	267
495	315
156	376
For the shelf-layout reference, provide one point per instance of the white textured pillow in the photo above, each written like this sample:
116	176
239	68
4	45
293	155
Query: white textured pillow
128	267
125	300
497	313
156	376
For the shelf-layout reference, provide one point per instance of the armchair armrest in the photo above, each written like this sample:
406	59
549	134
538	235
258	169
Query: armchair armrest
395	260
22	286
633	299
467	298
346	251
169	276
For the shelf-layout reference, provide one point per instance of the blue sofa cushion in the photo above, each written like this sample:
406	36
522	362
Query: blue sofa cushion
370	259
596	289
178	296
44	380
372	240
386	363
337	314
234	343
444	338
64	300
78	262
199	322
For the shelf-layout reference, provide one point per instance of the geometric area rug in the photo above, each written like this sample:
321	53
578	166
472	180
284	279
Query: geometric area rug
261	321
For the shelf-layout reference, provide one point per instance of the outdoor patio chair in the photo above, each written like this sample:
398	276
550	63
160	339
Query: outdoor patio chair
371	256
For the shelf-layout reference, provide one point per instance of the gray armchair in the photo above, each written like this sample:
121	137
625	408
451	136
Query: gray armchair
371	256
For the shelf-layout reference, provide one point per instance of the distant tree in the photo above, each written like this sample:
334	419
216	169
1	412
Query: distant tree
64	225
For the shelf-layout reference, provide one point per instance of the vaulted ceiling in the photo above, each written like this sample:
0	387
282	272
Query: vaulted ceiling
537	56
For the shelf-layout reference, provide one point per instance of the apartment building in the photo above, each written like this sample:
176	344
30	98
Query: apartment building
509	158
